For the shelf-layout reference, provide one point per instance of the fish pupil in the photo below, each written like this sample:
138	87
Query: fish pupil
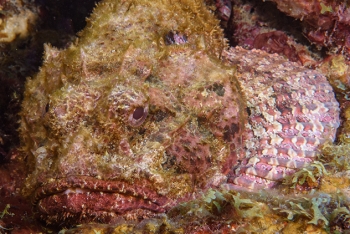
138	113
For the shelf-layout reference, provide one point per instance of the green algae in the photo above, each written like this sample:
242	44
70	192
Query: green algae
337	156
325	9
317	214
293	210
214	203
6	211
308	176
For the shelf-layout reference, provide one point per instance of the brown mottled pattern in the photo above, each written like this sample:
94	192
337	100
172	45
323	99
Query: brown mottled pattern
292	110
126	123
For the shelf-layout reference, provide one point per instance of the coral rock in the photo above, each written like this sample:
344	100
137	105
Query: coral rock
326	22
18	19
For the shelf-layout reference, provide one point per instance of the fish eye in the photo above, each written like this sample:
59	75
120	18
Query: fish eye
138	116
129	106
138	113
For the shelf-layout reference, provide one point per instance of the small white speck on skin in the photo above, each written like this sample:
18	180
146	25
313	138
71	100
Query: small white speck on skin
296	139
268	117
270	151
277	127
292	153
249	145
276	140
299	126
259	131
254	160
41	154
204	93
107	158
310	92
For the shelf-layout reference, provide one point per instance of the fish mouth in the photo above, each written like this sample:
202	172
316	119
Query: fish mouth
80	199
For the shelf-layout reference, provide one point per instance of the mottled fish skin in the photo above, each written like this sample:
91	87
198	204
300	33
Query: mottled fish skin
138	115
142	113
292	111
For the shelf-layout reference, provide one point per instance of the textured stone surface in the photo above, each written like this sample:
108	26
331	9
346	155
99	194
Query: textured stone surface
18	20
141	114
325	23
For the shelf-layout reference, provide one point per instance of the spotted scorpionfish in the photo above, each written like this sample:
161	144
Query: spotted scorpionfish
149	107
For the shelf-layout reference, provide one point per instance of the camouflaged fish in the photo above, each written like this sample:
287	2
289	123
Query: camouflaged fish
148	108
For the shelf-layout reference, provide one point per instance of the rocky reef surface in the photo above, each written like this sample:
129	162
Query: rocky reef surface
149	122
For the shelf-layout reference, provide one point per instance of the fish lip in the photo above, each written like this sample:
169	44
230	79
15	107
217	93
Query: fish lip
88	184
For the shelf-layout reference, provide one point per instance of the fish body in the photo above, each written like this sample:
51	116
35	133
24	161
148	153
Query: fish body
146	110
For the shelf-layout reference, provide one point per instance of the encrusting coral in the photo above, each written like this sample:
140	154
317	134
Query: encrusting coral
17	21
149	109
325	22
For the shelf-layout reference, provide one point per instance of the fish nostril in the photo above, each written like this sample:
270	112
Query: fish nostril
175	38
47	107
